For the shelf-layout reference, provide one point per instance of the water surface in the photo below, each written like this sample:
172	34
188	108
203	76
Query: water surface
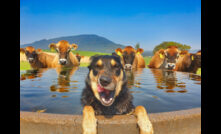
56	91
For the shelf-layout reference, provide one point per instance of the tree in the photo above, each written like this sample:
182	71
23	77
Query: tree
165	44
137	45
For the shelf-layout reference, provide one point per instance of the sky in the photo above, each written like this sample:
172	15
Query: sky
127	22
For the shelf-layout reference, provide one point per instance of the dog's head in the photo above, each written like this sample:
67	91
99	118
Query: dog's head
106	78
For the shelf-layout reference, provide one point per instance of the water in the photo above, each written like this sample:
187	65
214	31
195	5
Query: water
156	90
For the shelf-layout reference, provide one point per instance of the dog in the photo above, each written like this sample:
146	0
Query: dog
106	93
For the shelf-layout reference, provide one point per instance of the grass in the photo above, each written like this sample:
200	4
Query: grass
82	53
24	65
198	71
147	60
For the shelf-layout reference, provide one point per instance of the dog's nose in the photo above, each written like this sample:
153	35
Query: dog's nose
104	81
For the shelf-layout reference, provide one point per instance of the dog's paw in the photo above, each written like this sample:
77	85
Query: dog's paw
89	123
143	121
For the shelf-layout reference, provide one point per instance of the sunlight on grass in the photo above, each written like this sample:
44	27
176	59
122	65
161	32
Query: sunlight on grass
24	65
81	53
198	71
147	60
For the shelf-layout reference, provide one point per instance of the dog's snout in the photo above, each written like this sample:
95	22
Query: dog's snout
104	80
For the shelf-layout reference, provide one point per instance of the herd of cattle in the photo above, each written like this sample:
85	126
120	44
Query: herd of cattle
171	58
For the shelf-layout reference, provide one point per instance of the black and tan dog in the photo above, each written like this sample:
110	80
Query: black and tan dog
106	93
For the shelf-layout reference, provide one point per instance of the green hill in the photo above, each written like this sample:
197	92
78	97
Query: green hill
86	42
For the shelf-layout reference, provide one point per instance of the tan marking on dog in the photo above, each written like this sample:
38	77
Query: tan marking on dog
119	83
94	80
143	120
113	62
89	123
99	62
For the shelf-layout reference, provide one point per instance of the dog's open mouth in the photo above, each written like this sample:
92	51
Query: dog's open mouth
106	96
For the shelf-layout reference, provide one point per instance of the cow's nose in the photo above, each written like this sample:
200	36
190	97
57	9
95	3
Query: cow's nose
171	65
104	80
63	61
31	59
127	66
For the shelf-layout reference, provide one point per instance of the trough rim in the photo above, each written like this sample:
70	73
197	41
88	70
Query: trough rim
62	119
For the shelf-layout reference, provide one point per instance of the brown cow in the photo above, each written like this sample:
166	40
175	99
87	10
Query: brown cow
165	59
189	62
65	57
131	58
37	58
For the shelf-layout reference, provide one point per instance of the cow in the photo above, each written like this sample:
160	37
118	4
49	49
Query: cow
37	58
165	59
65	57
189	62
131	58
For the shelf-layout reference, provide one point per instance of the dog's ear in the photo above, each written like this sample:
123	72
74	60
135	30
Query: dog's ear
114	54
22	50
74	46
52	46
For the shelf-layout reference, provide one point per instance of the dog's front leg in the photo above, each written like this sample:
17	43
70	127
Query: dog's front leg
143	120
89	123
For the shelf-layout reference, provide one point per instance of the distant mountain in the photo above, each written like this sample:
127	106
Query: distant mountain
86	42
194	50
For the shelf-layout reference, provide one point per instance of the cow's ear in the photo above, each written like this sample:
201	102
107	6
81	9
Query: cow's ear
74	46
22	50
161	53
140	51
52	46
39	50
119	51
182	53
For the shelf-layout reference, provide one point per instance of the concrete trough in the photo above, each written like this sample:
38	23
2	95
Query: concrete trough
175	122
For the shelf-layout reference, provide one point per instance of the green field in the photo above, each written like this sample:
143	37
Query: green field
81	53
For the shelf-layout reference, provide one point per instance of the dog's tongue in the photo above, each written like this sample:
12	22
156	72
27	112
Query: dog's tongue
101	89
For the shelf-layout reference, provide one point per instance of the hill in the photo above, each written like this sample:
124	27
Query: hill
86	42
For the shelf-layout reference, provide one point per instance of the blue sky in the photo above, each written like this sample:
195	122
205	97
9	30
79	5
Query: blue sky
127	22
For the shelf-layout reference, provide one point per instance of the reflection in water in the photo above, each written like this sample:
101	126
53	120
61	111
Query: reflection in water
166	79
32	74
63	80
131	74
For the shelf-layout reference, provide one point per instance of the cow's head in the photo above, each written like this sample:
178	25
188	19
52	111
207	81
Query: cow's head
170	56
31	53
128	55
63	48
